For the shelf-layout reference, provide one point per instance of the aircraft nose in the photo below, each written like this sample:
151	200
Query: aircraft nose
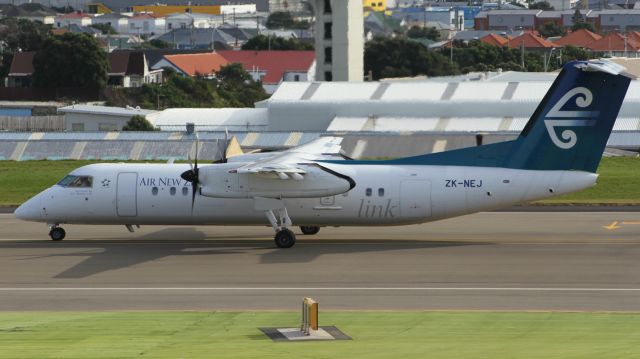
29	210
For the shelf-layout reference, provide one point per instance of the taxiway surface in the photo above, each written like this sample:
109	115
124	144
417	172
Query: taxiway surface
487	261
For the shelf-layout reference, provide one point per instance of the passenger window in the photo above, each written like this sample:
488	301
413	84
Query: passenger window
172	191
154	191
185	191
381	192
368	192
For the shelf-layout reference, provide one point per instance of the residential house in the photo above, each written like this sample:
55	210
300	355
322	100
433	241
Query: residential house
579	38
532	42
131	69
469	35
200	64
616	44
274	67
119	22
506	20
21	70
29	11
73	18
212	38
146	24
419	16
495	40
188	21
618	20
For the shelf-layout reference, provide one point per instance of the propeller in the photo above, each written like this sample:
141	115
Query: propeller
192	174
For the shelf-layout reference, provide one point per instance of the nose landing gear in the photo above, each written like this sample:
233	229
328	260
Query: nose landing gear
57	233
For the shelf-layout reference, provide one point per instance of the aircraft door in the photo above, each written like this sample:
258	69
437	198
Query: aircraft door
415	199
126	194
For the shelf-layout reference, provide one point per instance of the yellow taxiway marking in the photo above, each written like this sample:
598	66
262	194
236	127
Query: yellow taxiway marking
619	224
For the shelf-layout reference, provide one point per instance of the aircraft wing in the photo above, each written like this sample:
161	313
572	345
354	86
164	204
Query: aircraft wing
285	164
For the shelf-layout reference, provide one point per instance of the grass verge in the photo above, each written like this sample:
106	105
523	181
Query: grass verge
619	182
375	335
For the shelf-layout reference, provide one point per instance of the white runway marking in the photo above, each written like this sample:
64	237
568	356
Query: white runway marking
487	289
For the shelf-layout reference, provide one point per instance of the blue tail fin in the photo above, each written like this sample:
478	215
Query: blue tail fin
568	131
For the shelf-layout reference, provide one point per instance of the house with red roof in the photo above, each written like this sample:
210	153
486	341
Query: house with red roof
73	18
199	64
274	67
532	42
616	44
579	38
494	40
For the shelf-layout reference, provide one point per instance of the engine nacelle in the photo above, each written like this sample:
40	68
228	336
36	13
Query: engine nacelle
225	181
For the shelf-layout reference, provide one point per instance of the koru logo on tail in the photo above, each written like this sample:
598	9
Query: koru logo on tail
556	117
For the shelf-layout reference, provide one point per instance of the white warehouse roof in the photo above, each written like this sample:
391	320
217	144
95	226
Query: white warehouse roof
212	119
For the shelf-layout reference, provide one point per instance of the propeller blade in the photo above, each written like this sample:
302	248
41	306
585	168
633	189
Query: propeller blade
226	145
193	195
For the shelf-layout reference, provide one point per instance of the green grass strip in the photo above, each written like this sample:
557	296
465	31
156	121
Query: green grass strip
532	335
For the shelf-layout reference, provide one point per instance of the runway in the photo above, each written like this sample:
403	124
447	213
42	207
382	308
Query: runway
487	261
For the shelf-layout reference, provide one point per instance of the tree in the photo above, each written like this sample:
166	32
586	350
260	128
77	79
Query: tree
70	60
572	53
263	42
416	32
541	5
238	87
23	35
401	57
551	29
580	23
280	20
160	44
138	123
105	28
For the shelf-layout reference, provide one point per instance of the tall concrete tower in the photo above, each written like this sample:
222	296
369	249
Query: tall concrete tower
339	32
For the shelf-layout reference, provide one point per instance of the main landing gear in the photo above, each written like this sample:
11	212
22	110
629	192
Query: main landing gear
57	233
309	230
271	207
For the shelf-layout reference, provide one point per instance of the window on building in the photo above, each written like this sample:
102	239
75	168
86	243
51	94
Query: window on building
104	127
368	192
328	30
296	78
328	55
380	192
77	127
328	76
172	191
327	7
154	191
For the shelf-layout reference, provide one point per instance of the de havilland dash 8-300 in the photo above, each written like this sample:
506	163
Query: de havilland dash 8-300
312	186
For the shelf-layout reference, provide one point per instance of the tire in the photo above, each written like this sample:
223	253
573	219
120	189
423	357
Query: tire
309	230
285	238
57	234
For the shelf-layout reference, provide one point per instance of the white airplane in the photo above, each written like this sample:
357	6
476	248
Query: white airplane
558	152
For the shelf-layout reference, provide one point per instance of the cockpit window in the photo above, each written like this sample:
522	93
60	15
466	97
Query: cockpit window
77	181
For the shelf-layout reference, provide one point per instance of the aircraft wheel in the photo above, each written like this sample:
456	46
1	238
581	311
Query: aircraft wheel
309	230
57	234
285	238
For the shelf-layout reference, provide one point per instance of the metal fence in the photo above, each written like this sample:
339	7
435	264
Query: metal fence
32	123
